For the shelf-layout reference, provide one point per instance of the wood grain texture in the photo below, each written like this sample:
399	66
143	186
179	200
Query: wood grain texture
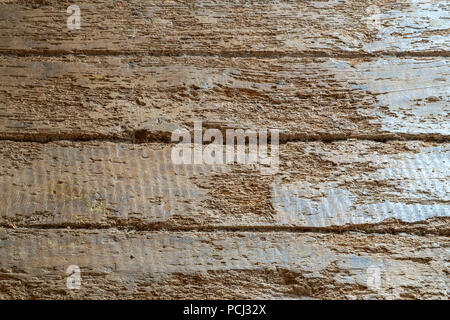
227	27
351	184
43	99
216	265
358	90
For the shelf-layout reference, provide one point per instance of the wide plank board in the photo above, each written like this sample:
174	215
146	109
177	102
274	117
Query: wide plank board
349	184
122	97
237	27
180	265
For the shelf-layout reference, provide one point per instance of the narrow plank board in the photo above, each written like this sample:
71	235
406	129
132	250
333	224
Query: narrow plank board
43	99
349	184
227	27
243	265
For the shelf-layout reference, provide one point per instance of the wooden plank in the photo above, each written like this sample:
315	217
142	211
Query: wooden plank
357	185
227	27
43	99
162	265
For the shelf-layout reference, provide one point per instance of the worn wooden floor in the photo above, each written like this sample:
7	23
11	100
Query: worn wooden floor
86	176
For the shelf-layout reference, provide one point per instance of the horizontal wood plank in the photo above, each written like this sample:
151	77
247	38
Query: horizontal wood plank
162	265
227	27
43	99
350	184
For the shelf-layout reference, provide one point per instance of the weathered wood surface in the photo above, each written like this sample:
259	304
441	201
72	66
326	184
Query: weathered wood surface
227	27
141	227
349	183
154	265
70	97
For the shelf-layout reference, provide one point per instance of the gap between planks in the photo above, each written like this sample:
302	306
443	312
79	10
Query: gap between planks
148	137
225	54
380	228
